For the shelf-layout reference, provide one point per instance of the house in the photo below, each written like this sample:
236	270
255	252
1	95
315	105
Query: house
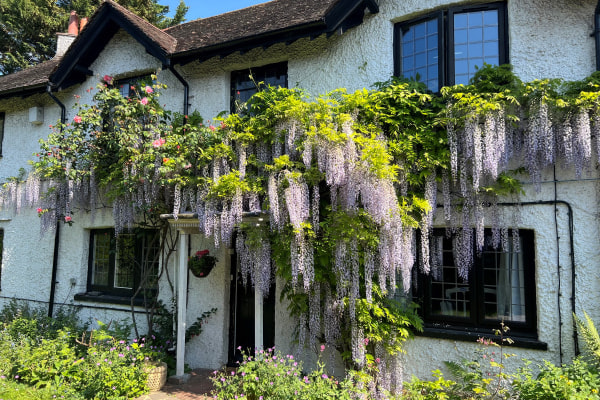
319	45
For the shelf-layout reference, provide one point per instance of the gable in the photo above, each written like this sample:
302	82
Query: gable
104	24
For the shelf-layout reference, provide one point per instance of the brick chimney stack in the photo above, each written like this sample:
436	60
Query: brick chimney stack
73	24
64	40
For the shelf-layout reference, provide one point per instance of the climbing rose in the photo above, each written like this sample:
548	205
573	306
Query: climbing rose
148	89
158	142
77	119
67	219
108	79
144	101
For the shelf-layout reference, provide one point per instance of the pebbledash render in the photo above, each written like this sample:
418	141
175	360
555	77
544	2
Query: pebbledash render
318	45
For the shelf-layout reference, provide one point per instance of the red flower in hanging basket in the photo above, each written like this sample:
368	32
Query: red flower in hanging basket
201	263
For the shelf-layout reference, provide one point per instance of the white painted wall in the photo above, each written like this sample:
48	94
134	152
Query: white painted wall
547	39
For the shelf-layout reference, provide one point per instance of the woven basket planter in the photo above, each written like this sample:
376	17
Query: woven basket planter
157	374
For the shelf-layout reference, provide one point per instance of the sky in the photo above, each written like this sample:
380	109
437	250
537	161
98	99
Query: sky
208	8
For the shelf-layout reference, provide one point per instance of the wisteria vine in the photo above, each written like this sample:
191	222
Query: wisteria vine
346	184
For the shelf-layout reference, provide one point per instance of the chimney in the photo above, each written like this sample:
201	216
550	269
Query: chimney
73	23
64	40
82	23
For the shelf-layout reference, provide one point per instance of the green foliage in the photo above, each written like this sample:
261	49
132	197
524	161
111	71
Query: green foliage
591	340
270	375
92	365
438	389
29	26
576	381
13	390
195	329
28	32
21	319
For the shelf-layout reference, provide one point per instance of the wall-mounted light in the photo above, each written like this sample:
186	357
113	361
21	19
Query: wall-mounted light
36	115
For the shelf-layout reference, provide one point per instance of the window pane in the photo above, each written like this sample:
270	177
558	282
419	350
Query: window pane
490	33
150	259
450	294
475	19
245	83
125	266
101	258
481	39
420	53
460	21
460	36
504	283
476	50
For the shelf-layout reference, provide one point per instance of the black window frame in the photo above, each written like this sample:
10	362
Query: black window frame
477	323
446	57
2	122
257	77
141	236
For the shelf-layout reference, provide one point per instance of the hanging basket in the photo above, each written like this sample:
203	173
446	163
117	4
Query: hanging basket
201	263
157	374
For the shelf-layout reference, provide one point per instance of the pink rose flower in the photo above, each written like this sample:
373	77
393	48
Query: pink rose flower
144	101
108	79
158	142
67	219
77	119
39	210
148	89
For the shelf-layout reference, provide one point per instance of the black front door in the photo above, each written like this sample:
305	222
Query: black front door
242	318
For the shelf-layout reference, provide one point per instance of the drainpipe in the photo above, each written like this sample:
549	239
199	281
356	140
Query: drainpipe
555	203
596	34
186	89
63	118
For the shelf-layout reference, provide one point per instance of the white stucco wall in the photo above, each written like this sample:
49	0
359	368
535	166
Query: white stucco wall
546	39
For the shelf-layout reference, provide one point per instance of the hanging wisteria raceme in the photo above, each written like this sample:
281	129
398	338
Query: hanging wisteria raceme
582	142
427	220
255	262
314	315
540	147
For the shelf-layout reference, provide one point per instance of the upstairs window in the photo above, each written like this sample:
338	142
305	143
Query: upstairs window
128	86
500	287
117	264
246	82
447	47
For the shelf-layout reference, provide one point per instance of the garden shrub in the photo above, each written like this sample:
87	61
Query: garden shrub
100	364
13	390
270	375
575	381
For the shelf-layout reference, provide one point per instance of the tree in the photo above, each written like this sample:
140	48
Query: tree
28	27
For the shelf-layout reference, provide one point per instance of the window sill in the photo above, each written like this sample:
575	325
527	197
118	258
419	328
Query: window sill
465	335
106	298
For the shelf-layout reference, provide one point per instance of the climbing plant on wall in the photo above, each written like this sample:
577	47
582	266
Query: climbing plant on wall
347	180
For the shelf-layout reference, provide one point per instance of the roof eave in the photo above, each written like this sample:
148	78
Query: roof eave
24	91
345	15
246	43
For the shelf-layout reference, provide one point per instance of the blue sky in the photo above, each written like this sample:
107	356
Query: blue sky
208	8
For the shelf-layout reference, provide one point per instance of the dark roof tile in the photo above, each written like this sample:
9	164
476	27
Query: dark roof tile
35	76
167	42
251	21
